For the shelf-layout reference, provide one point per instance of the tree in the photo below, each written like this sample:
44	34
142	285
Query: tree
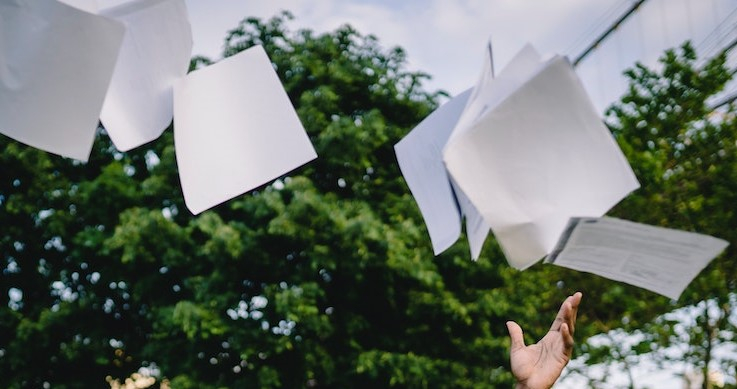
322	278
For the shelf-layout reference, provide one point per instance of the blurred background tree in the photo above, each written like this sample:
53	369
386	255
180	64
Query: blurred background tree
324	277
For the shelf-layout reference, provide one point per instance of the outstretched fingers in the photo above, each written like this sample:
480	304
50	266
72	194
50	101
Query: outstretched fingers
567	313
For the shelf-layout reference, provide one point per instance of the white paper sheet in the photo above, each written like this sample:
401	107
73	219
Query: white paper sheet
155	53
476	228
420	159
489	92
56	63
535	158
442	203
658	259
90	6
234	129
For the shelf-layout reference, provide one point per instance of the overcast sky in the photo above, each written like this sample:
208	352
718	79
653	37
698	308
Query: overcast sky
447	38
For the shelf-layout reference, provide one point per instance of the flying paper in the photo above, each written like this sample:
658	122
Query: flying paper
658	259
527	153
56	63
63	69
155	52
420	159
234	129
420	156
531	161
90	6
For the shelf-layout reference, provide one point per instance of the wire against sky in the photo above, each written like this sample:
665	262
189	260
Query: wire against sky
608	32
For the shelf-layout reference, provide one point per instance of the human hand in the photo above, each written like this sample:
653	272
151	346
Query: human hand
539	365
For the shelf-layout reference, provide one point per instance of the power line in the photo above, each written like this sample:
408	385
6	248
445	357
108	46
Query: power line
731	97
724	101
606	33
710	46
595	26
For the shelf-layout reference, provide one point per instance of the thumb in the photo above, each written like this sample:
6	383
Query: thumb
515	334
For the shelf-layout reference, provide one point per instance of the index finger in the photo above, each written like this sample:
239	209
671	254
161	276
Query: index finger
567	313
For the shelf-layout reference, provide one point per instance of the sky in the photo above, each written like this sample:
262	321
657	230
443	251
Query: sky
447	39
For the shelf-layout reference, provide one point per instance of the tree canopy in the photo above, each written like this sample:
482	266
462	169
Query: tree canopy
324	277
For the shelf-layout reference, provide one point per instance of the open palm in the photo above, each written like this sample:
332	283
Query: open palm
539	365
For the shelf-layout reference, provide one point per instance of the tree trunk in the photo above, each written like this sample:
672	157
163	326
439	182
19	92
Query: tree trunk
708	331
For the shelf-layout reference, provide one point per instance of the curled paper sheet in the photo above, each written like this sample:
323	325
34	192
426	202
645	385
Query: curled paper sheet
56	63
155	53
658	259
420	158
524	153
489	91
534	159
90	6
476	227
420	154
443	205
234	129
